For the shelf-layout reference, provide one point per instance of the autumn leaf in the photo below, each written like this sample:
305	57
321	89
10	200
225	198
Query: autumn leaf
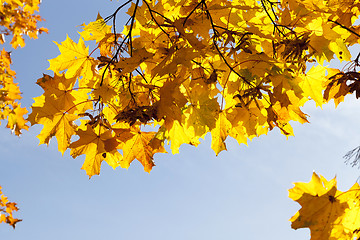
138	147
313	83
220	132
337	86
107	89
326	211
62	90
74	58
177	135
16	121
98	144
202	114
60	125
96	30
191	38
171	101
128	65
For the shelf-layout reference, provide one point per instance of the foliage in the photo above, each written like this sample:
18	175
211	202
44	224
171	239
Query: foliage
6	211
17	19
326	211
181	69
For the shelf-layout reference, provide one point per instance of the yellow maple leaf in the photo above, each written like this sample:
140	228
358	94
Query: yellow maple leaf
60	125
351	220
57	108
313	83
101	32
105	91
74	58
340	49
16	120
317	186
171	101
57	121
326	211
61	89
95	30
220	132
195	42
201	115
128	65
177	135
138	147
98	145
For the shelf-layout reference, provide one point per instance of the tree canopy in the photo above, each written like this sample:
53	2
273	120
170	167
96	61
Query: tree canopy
180	69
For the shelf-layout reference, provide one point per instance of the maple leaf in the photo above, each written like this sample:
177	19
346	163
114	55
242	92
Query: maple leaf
74	58
57	109
170	64
171	101
97	30
105	88
202	113
128	65
220	132
351	220
194	42
313	83
56	121
62	90
337	87
320	48
138	147
98	144
178	135
340	49
16	121
101	32
326	211
60	125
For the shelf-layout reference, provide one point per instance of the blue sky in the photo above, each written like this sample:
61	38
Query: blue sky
241	194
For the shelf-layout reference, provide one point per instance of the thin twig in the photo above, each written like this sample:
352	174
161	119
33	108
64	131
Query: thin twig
152	17
217	47
192	11
344	27
272	21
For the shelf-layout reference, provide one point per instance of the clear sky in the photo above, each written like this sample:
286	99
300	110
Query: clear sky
241	194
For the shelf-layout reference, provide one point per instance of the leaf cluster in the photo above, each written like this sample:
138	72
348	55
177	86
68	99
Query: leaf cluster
17	19
182	69
6	210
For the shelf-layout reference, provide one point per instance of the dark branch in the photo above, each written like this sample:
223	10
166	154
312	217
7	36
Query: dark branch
344	27
353	154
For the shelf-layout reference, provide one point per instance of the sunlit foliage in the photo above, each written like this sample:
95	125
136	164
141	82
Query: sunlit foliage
6	210
180	69
17	20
